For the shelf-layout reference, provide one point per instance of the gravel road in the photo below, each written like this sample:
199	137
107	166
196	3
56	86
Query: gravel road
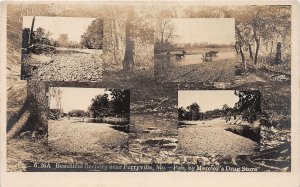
81	137
210	137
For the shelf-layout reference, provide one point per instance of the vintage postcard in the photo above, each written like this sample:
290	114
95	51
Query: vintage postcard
120	87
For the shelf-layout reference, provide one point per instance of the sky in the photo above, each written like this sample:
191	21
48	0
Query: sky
199	30
77	98
207	99
73	26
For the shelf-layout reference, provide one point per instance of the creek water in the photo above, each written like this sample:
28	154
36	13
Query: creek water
191	58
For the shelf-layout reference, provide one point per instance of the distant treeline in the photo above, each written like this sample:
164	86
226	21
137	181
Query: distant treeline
118	105
248	107
91	39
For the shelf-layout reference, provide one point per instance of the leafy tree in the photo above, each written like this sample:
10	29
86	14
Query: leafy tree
120	101
195	110
248	105
77	113
99	106
93	37
181	114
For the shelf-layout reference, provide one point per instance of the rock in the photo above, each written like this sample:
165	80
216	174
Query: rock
169	146
146	131
203	161
160	141
225	159
151	128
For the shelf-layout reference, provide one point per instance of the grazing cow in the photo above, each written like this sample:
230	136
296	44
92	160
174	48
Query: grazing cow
211	54
181	55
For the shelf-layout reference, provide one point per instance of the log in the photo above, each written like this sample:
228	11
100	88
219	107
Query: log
276	72
18	126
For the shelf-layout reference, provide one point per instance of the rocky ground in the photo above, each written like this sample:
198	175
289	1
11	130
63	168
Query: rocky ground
75	136
210	136
80	67
153	139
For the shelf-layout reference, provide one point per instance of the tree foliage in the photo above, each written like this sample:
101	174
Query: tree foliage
77	113
99	106
118	104
93	37
248	107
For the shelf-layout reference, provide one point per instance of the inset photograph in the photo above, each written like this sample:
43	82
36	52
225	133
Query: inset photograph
219	122
128	44
195	50
88	120
62	48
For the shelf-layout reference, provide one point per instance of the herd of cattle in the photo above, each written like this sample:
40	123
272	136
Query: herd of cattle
208	55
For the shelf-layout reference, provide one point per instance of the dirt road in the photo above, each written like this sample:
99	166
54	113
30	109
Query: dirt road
75	136
210	137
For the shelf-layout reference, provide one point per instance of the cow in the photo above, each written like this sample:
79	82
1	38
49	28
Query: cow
179	55
211	54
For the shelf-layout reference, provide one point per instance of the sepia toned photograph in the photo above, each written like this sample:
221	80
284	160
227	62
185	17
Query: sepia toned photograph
128	44
88	120
168	56
219	122
62	48
196	50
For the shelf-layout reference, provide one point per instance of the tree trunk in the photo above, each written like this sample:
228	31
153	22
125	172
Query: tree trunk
31	32
236	49
33	115
113	43
129	48
36	92
257	41
277	59
272	43
244	63
117	37
250	52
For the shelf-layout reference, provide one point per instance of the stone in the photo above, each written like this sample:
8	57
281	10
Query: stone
225	159
204	161
169	146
